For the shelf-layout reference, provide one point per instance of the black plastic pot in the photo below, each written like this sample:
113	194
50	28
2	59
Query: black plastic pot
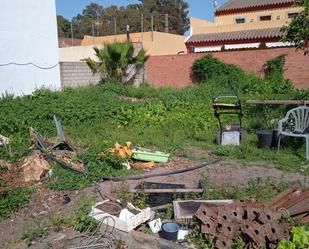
265	138
170	231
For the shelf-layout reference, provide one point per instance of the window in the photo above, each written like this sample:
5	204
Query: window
265	18
292	15
239	20
192	50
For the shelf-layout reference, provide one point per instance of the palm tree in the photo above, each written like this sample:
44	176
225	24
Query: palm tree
114	59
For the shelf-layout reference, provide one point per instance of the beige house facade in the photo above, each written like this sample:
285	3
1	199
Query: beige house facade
155	43
250	22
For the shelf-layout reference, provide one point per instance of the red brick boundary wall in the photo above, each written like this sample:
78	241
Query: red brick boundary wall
175	70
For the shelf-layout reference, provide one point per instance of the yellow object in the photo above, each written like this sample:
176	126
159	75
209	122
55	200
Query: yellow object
124	152
138	165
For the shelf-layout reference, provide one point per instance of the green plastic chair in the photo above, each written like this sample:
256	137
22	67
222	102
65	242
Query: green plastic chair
295	124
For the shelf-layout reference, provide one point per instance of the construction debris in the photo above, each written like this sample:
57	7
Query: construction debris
255	223
293	202
34	167
128	219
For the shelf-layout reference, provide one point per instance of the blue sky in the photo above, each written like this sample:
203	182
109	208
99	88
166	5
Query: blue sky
68	8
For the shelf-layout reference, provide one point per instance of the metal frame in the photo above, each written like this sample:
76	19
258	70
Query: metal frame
221	108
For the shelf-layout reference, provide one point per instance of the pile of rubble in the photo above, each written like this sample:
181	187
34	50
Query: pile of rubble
256	224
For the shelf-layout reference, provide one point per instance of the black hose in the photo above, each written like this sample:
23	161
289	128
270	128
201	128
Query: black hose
139	177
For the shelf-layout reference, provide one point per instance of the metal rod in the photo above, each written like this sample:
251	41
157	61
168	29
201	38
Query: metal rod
142	26
115	27
152	27
72	39
166	23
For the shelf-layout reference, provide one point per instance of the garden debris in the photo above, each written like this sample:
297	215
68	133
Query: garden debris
155	225
185	210
293	202
128	219
4	140
34	167
160	193
122	151
255	223
69	158
150	156
140	165
62	153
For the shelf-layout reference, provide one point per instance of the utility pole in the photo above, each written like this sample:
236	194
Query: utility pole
72	38
128	32
115	27
152	27
142	26
93	32
166	23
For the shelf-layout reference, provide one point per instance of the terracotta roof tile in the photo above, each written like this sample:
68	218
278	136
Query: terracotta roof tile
236	35
240	4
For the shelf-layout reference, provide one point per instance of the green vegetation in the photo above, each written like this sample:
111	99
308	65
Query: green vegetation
297	31
34	230
258	189
96	117
299	240
13	200
114	59
82	221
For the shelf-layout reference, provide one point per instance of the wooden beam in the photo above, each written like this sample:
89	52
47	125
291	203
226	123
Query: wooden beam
277	102
160	191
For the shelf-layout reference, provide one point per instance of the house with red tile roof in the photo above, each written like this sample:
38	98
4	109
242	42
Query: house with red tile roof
242	24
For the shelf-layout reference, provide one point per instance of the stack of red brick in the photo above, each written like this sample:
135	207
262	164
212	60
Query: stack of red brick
256	224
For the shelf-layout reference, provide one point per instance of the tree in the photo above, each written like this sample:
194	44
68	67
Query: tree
64	27
177	11
114	60
89	21
297	31
101	21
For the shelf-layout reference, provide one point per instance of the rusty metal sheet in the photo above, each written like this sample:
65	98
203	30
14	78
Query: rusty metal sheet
276	202
300	207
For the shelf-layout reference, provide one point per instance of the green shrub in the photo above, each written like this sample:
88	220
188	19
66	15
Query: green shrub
13	200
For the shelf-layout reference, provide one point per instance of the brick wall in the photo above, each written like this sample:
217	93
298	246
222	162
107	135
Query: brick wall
175	70
74	74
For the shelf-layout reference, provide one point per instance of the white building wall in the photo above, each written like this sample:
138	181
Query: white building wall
28	34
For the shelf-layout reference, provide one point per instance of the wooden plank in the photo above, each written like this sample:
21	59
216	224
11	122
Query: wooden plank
276	102
160	191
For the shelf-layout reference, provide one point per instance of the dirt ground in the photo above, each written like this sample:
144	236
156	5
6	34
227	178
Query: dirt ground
46	203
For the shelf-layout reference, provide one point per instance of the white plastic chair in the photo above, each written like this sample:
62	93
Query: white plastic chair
295	124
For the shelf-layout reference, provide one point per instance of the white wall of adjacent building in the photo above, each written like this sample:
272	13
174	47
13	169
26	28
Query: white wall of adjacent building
28	34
